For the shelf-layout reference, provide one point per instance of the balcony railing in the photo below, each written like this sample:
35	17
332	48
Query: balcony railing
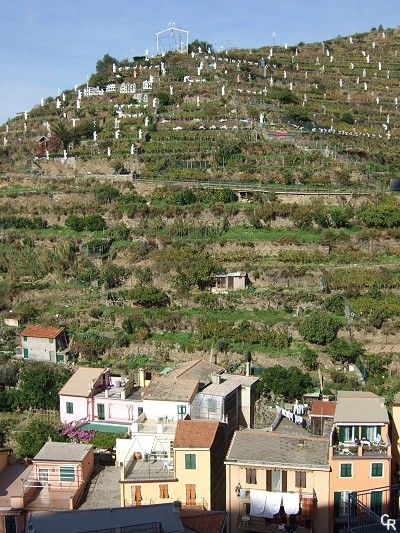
365	509
366	450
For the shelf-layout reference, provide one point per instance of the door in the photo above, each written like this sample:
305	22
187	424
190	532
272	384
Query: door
376	502
190	494
26	353
100	411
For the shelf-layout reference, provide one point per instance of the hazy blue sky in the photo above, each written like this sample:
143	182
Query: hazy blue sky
46	46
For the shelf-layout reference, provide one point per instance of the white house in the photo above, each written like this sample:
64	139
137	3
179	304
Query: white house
44	343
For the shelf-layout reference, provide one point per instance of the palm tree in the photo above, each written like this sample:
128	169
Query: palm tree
62	133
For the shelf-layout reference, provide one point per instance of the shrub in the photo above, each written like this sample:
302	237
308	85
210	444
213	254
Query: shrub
319	327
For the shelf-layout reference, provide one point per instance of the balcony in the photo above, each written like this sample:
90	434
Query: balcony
152	467
362	450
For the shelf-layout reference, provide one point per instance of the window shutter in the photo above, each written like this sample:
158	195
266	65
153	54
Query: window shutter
248	476
253	476
363	432
297	479
342	434
268	483
284	481
336	503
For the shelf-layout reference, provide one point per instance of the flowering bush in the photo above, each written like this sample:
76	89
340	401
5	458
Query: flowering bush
75	432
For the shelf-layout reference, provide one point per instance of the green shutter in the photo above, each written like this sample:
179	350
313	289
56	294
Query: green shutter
356	432
342	434
364	432
336	503
376	502
284	481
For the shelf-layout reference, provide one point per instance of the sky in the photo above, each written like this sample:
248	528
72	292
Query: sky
50	46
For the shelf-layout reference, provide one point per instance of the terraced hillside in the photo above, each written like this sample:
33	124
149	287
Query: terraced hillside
123	199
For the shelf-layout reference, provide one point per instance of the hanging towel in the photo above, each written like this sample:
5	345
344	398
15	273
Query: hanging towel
291	502
272	504
257	502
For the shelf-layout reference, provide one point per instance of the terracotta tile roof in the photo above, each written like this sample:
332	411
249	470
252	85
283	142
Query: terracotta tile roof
203	521
320	408
195	433
41	332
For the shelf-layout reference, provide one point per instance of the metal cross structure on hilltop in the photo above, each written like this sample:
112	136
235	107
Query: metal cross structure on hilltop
172	38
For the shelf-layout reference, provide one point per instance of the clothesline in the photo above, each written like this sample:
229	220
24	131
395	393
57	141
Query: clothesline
267	504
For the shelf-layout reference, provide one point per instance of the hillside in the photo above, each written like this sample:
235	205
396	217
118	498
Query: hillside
121	200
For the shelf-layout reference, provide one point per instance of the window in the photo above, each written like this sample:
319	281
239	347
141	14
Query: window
190	461
139	411
348	433
343	502
164	491
181	412
67	473
279	480
52	356
59	357
377	470
51	341
300	480
43	474
136	495
25	338
9	524
69	408
346	470
251	477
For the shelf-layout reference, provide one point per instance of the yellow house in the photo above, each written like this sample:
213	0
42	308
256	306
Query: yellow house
276	479
360	456
193	474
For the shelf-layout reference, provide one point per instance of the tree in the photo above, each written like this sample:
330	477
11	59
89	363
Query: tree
112	275
105	63
105	194
149	296
384	213
36	434
62	133
309	358
284	383
39	385
319	327
343	352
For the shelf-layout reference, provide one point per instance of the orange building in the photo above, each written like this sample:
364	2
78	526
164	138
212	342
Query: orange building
360	457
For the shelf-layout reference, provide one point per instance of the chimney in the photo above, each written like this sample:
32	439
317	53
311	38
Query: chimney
216	379
248	369
142	376
177	506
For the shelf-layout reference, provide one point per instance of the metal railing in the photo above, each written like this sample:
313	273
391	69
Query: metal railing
364	509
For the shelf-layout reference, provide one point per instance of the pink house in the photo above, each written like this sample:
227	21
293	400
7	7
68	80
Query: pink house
93	395
55	480
77	395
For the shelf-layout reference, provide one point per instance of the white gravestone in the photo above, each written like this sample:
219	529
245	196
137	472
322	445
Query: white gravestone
146	121
223	90
108	151
117	134
132	149
95	135
140	134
